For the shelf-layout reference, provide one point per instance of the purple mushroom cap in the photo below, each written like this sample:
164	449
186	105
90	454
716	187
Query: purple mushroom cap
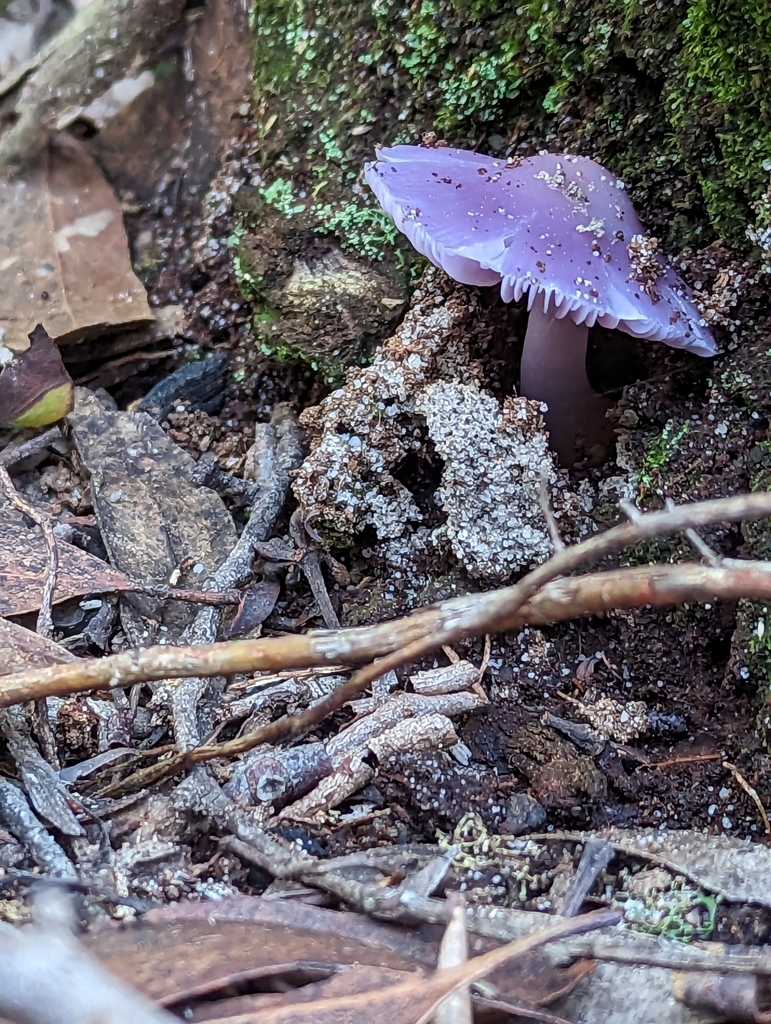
558	229
555	226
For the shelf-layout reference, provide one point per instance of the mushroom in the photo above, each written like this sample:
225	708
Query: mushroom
559	229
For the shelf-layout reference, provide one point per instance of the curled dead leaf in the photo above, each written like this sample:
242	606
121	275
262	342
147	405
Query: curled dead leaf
35	388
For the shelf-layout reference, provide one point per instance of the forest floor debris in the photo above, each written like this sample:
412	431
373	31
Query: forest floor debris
591	736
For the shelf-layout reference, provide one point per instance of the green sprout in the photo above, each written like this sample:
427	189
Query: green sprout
674	914
658	451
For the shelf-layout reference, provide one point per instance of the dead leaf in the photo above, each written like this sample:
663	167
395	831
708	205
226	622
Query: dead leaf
187	950
736	997
106	361
256	605
350	980
410	1001
137	146
64	259
23	561
21	649
35	389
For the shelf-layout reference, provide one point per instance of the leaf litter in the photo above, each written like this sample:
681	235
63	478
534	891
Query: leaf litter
431	786
63	253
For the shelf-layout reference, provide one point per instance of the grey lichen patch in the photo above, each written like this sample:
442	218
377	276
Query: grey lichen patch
423	396
364	430
494	461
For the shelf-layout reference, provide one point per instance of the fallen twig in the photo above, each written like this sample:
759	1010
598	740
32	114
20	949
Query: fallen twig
17	815
281	450
751	792
587	595
15	453
449	621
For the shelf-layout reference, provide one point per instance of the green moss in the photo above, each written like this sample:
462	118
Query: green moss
367	230
659	451
720	104
246	279
683	912
280	195
670	96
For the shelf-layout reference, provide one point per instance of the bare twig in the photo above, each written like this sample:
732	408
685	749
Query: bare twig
548	514
697	542
751	792
32	446
310	565
625	947
281	445
42	784
588	595
17	815
596	856
456	1009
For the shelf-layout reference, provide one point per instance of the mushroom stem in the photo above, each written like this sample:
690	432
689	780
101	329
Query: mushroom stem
553	371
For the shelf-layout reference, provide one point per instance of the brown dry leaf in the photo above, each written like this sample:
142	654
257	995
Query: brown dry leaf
21	649
350	980
23	561
35	390
410	1001
256	605
64	259
188	950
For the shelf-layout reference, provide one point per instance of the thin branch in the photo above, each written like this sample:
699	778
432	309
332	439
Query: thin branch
548	514
751	792
449	621
280	453
697	542
32	446
565	599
